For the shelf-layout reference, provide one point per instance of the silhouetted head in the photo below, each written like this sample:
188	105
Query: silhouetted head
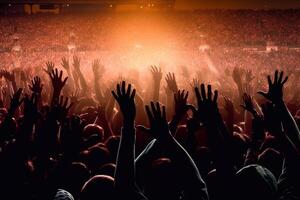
112	144
74	176
93	129
256	182
98	156
63	195
163	181
272	160
107	169
98	187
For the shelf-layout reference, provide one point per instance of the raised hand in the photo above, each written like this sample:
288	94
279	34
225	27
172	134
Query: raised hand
49	67
156	73
275	92
57	80
65	64
10	76
171	82
75	97
237	76
60	110
207	103
181	103
76	62
195	83
36	85
158	122
248	104
125	98
23	76
249	76
16	100
98	69
228	105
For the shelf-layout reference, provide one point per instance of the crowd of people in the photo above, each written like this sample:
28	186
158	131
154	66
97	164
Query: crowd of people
222	125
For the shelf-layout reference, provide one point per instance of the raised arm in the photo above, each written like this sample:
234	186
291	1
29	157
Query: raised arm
57	83
66	65
194	186
180	101
171	89
98	71
125	169
15	102
257	134
157	76
237	77
36	87
10	77
275	95
83	83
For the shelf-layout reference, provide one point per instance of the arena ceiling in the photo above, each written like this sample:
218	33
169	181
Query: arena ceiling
184	4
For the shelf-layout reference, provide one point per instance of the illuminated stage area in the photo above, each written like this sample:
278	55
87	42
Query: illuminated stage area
126	41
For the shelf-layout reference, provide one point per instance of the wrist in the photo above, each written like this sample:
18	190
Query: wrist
164	137
128	124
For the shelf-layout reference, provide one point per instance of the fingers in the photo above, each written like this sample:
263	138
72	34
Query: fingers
269	80
203	92
276	77
156	111
209	93
114	95
280	77
164	116
119	90
149	114
285	80
186	96
128	90
215	96
153	108
198	96
123	87
56	72
60	74
133	94
64	81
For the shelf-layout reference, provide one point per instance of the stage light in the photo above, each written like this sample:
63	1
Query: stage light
141	6
149	5
68	5
9	5
111	5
